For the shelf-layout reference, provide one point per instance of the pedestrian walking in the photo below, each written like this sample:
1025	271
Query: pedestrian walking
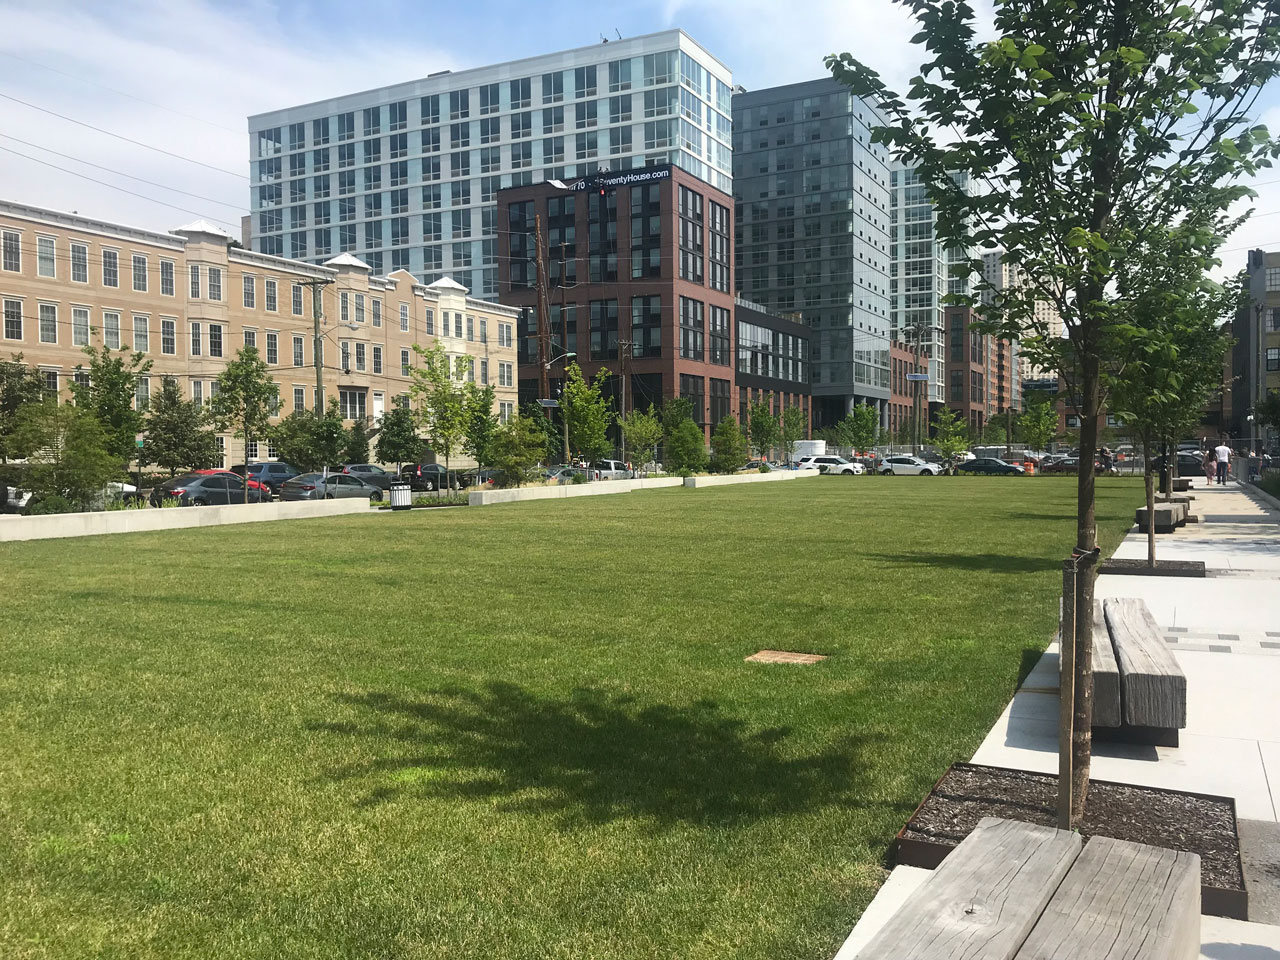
1222	453
1210	466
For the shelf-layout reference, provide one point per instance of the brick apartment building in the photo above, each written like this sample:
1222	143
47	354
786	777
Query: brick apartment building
639	269
189	301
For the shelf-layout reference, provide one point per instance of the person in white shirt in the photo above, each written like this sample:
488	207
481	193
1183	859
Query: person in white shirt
1222	453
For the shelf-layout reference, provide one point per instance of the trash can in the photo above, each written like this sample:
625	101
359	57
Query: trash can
401	496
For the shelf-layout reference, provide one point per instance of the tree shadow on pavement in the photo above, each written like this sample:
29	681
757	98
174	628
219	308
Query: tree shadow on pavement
592	757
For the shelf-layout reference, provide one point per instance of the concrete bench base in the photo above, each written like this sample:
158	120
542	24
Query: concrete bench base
1169	516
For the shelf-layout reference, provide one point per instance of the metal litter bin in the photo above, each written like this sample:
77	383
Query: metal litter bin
401	496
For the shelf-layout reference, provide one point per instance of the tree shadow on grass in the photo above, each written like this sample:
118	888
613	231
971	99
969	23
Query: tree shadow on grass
992	562
594	757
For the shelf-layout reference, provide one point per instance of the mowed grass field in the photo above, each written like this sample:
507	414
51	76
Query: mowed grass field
519	731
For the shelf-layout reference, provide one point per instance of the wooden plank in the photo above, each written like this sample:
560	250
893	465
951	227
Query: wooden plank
1106	674
1122	901
984	898
1153	688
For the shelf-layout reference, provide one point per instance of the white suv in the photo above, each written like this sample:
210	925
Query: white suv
827	464
909	466
611	470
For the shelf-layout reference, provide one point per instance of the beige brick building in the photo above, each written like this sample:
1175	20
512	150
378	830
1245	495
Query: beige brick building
189	301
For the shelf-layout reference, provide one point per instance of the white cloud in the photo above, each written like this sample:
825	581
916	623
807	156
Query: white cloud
216	62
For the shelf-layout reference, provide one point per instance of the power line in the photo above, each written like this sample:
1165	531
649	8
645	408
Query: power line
137	143
112	186
103	86
121	173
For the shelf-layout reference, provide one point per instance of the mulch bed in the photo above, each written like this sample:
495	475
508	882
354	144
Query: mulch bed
1161	818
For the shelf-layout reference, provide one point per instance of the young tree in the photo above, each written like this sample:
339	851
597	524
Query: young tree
356	447
398	440
1039	425
791	429
643	432
728	446
19	386
950	436
178	433
482	423
110	396
247	398
68	463
555	447
587	410
1081	131
440	409
685	448
859	428
762	428
516	448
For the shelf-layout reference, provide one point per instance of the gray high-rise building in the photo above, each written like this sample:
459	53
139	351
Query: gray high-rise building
812	228
406	176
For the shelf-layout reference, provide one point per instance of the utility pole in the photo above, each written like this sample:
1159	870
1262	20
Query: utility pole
624	354
544	388
316	346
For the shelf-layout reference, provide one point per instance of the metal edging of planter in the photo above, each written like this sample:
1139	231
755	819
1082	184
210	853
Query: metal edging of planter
928	854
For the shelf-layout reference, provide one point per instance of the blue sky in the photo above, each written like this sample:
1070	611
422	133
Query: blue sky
203	66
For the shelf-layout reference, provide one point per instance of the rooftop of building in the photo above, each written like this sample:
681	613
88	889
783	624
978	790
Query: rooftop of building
449	79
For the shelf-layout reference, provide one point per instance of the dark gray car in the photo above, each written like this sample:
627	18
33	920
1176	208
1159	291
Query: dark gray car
370	473
200	490
316	486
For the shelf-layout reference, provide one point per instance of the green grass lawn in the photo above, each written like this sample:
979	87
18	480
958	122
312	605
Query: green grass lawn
512	732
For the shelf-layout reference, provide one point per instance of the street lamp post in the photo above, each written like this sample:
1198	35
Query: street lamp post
548	403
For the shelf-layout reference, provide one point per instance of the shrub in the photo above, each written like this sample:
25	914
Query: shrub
54	503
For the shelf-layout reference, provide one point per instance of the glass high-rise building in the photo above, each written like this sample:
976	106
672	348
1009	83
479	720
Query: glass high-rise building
812	198
406	176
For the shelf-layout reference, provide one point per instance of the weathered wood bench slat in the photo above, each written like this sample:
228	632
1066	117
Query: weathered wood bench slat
1153	688
1106	674
984	898
1122	901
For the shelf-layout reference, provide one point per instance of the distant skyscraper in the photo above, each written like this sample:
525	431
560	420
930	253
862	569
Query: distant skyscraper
1007	276
812	198
407	176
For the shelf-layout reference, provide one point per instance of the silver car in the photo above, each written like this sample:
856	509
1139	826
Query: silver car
316	486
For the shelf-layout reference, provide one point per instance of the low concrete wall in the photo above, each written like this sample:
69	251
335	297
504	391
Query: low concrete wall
655	483
596	488
61	525
696	482
1261	494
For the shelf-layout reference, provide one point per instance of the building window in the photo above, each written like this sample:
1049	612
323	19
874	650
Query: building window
360	357
297	351
604	329
404	363
459	104
718	339
80	265
691	226
196	342
12	244
270	293
377	358
646	326
352	404
215	339
45	261
13	320
1273	359
359	308
142	393
719	401
404	318
49	380
584	82
692	328
167	286
297	299
110	268
139	273
273	348
168	337
215	283
48	323
250	291
694	388
79	326
1273	279
299	399
141	335
111	330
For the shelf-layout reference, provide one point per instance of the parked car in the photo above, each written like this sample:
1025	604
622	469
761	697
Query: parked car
1189	464
753	466
567	474
611	470
205	489
316	486
271	473
909	466
429	476
370	473
831	464
989	465
479	478
1072	465
258	485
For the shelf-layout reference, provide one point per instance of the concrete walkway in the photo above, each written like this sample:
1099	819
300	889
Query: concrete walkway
1225	632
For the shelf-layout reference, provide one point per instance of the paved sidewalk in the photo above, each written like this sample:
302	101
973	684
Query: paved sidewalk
1225	632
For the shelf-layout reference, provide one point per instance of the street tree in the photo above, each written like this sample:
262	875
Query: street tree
791	429
950	436
440	407
684	448
19	386
179	436
642	429
859	428
246	399
1069	139
1038	425
68	460
311	442
110	394
585	406
398	440
482	423
555	446
356	445
516	448
728	446
762	428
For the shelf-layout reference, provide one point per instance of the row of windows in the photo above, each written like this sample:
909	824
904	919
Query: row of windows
76	263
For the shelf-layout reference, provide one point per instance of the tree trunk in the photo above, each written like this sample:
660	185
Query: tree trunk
1150	478
1086	541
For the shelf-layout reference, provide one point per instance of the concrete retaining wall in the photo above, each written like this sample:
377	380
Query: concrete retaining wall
61	525
696	482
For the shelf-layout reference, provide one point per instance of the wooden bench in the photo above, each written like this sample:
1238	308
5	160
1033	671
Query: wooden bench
1139	691
1017	891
